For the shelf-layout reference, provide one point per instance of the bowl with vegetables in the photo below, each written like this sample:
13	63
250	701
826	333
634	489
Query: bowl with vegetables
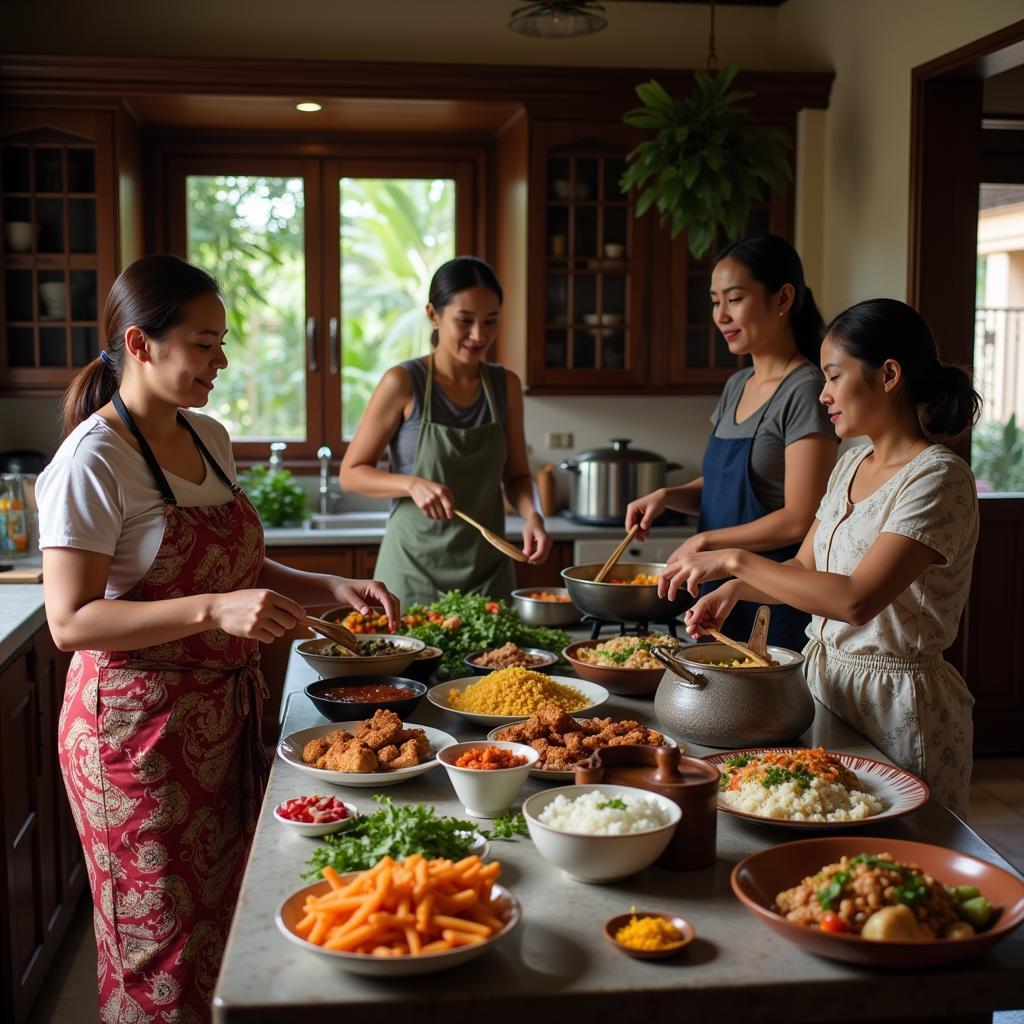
545	606
379	655
338	699
880	902
487	777
314	816
628	594
623	664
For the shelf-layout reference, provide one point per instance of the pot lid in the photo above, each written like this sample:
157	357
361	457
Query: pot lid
619	452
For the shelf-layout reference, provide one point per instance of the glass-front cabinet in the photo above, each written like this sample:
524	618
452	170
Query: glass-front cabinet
57	244
588	311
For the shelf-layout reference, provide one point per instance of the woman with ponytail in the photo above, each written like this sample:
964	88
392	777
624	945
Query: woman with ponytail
886	567
155	575
771	447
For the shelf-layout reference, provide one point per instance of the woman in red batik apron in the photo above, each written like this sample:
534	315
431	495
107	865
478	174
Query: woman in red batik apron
160	742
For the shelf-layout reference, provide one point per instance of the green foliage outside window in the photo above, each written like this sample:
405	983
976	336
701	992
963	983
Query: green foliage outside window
997	455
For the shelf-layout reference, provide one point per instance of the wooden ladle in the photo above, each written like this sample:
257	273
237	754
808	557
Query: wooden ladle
493	539
335	631
756	650
616	554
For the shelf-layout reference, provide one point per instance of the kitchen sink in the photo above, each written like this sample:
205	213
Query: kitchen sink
371	520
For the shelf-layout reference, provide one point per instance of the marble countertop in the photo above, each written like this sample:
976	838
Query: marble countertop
21	614
558	965
369	528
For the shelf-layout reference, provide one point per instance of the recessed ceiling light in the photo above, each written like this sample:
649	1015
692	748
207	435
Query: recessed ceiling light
308	108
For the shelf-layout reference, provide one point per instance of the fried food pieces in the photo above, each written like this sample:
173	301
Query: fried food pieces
562	741
380	744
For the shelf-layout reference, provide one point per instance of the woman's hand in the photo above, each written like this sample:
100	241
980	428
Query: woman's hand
710	611
536	543
362	594
643	511
435	501
691	546
690	571
262	615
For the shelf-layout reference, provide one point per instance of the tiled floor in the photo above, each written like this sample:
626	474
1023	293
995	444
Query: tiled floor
997	812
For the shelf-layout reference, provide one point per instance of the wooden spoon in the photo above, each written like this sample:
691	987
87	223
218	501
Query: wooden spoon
616	554
335	631
493	539
757	659
758	641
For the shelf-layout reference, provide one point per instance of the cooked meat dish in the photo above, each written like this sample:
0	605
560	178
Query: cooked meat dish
380	744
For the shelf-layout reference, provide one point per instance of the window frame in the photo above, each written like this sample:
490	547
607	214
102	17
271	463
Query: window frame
321	164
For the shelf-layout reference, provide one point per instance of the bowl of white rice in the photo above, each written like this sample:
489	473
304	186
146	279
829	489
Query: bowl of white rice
600	833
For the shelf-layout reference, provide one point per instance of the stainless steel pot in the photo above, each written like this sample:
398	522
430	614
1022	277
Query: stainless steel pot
617	602
732	707
602	482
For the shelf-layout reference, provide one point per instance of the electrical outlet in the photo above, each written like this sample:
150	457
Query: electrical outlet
563	440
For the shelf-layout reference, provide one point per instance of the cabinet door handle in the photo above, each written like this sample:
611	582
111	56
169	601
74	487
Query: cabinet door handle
311	359
332	330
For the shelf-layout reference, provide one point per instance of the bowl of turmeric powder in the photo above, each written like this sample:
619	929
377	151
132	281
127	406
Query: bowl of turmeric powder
649	934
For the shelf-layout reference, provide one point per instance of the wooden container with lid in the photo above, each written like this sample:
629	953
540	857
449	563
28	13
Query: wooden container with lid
688	781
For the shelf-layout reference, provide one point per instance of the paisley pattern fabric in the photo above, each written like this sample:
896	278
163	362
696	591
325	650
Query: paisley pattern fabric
887	678
163	763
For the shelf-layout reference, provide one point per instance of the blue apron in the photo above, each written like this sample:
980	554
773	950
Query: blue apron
728	499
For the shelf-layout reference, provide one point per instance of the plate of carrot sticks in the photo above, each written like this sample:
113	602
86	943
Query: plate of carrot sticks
402	917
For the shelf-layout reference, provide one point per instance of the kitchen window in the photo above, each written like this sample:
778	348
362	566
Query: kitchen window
324	266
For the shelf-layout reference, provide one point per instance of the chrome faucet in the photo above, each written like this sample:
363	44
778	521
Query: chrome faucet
324	455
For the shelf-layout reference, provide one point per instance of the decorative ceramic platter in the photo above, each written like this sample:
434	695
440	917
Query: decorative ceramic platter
901	791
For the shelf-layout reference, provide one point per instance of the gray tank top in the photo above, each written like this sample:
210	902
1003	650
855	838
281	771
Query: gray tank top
402	449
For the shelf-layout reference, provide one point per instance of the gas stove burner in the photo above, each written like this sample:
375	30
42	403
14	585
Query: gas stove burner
639	628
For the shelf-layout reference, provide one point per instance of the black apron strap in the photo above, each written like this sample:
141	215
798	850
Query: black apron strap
205	452
147	453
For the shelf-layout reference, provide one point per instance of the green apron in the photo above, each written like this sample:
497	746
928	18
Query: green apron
421	558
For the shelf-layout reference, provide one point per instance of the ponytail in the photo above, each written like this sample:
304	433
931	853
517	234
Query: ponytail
152	294
774	262
881	329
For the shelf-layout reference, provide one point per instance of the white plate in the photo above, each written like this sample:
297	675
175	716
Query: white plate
901	791
290	750
551	775
438	696
291	912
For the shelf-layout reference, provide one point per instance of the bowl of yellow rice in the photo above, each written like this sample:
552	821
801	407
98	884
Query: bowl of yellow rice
512	694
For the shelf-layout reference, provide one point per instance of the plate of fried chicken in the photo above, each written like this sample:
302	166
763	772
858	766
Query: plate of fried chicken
563	740
379	751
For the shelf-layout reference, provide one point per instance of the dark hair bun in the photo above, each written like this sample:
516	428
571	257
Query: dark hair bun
951	404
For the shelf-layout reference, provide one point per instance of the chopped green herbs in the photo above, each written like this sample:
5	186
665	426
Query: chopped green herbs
829	895
616	802
507	826
740	762
774	775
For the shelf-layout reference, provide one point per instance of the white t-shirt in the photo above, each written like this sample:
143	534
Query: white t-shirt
99	495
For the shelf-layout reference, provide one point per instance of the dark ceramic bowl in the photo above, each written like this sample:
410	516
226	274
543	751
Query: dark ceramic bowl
425	664
349	711
759	878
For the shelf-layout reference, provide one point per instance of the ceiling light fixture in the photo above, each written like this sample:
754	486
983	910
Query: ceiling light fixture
558	19
309	107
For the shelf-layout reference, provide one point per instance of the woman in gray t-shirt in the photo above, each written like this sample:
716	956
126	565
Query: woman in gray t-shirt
772	447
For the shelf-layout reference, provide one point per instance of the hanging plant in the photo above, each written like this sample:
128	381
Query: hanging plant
706	163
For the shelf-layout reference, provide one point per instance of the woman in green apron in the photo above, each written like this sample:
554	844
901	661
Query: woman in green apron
453	427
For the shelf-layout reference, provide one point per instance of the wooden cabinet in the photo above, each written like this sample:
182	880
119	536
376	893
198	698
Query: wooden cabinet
59	252
547	574
41	864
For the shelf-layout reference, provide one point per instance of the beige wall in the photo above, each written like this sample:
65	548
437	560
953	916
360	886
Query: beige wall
872	45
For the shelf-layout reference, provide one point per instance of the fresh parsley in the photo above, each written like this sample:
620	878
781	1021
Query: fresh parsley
775	775
396	830
615	802
507	827
829	894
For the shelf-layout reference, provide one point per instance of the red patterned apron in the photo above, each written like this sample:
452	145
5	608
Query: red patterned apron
163	763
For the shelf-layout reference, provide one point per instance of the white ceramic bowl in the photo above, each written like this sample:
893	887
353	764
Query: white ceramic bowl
290	750
589	858
315	829
332	666
438	696
487	793
290	913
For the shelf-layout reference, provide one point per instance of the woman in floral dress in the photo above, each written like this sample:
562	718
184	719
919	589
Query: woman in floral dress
886	567
155	575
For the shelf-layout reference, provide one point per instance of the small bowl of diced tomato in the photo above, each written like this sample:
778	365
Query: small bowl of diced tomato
315	815
487	776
